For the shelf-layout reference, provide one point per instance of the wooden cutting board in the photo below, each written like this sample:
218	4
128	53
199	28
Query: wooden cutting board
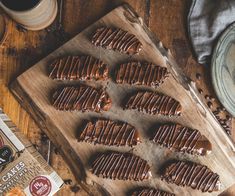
33	90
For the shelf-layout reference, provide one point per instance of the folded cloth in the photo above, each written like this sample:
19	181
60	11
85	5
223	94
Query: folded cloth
207	19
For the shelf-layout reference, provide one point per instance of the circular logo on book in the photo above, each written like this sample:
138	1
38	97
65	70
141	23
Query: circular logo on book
40	186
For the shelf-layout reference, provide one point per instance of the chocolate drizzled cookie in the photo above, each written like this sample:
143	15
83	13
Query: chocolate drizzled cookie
109	132
122	166
78	68
151	192
196	176
136	73
81	98
182	139
116	39
153	103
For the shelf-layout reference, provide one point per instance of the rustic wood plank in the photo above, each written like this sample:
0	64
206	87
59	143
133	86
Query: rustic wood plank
61	131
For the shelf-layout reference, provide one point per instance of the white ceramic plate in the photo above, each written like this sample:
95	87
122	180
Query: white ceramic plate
223	69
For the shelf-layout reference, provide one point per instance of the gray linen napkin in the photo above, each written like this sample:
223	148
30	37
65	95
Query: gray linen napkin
207	19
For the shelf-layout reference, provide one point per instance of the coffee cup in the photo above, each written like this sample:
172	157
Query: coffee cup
31	14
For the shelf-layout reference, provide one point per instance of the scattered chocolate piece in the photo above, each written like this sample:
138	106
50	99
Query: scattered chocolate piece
44	137
36	147
209	104
212	98
81	98
121	166
68	181
182	139
198	76
116	39
56	151
186	173
109	132
136	73
78	68
207	97
225	124
200	91
216	112
219	109
153	103
151	192
228	117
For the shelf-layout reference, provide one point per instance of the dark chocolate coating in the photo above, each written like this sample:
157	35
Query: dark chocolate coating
122	166
185	173
78	68
110	133
153	103
182	139
116	39
151	192
136	73
81	98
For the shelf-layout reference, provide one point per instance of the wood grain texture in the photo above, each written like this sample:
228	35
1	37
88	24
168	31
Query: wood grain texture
36	98
167	19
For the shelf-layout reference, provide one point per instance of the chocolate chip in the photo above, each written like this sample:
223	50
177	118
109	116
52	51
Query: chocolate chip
68	181
219	109
228	117
198	76
36	146
200	91
44	137
207	97
212	98
216	112
56	150
222	121
209	104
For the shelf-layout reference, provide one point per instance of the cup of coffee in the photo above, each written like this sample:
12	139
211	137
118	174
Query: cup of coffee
31	14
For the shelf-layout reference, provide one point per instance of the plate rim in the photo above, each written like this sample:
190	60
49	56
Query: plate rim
217	87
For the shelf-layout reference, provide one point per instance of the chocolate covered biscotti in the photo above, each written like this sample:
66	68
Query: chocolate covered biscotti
151	192
111	133
153	103
81	98
121	166
116	39
182	139
196	176
137	73
78	68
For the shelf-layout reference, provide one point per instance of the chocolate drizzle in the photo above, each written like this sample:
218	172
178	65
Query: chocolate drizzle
196	176
136	73
121	166
153	103
182	139
78	68
116	39
151	192
109	132
81	98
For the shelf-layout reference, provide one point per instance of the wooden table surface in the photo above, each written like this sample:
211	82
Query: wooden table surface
21	49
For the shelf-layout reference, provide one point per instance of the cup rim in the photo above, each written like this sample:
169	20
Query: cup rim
21	11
